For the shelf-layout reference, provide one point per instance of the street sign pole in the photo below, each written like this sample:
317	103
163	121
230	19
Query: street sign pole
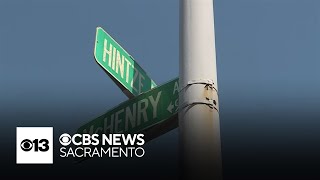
199	127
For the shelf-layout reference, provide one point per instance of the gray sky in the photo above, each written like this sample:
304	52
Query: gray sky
267	54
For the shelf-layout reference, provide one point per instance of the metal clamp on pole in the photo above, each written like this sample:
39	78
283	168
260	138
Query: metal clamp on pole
209	84
209	102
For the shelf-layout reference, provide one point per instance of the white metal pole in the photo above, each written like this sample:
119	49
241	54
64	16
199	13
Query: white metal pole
199	127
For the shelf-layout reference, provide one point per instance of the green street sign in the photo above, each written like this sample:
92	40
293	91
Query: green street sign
139	113
120	65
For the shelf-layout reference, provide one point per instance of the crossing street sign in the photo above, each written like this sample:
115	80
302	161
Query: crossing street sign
139	113
120	65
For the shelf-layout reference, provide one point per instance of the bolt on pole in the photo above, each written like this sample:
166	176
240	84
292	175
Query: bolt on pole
199	127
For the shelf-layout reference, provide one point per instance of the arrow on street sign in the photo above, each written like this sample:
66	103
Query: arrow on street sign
172	106
138	114
120	65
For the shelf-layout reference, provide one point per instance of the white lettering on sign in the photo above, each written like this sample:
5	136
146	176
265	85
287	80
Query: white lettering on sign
142	110
176	87
114	58
106	51
131	116
108	126
154	104
141	78
120	64
122	67
118	121
128	70
134	79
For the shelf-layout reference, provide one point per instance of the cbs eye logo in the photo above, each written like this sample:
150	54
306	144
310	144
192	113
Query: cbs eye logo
38	145
65	139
